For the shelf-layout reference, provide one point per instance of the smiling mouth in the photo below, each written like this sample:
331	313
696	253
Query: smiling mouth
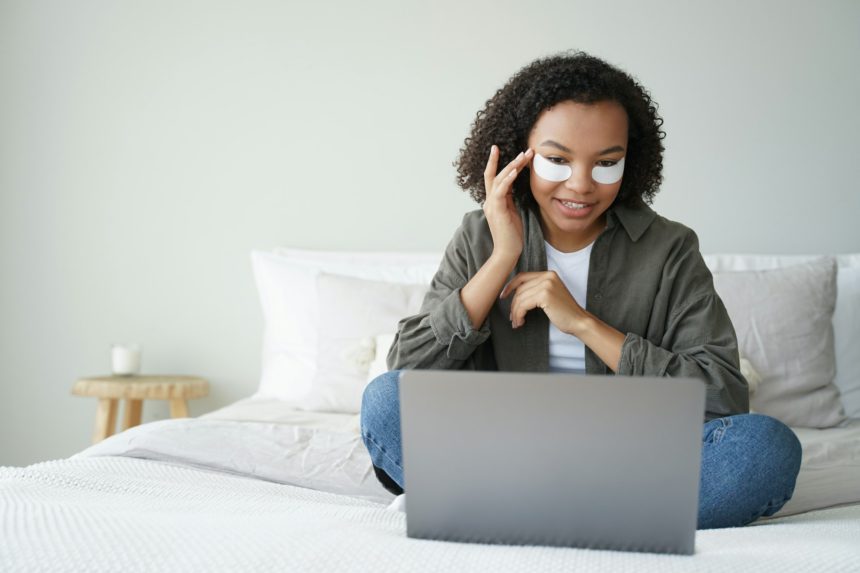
574	204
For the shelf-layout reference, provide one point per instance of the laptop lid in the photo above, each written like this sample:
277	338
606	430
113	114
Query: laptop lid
607	462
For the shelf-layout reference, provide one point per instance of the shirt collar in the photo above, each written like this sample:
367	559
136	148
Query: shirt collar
634	218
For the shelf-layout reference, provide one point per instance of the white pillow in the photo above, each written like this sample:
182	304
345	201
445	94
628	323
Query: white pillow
353	312
382	343
783	319
846	318
753	378
287	286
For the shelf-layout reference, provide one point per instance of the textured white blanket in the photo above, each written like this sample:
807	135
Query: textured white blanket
327	454
124	514
331	459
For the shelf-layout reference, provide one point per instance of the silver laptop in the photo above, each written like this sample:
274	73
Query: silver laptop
603	462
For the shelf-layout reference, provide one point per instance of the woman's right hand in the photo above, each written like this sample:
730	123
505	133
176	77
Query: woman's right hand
506	224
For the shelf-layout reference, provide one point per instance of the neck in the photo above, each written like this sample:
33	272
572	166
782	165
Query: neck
570	242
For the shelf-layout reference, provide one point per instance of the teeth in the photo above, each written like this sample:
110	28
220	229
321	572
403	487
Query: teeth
570	205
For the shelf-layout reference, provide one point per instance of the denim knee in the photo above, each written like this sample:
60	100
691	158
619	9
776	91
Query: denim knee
380	402
380	429
750	467
777	442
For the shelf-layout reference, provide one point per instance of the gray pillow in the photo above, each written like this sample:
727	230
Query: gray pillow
783	319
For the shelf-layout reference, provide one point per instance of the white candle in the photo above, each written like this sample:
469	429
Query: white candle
125	359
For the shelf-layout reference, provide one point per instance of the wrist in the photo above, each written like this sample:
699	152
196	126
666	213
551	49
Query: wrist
581	323
506	259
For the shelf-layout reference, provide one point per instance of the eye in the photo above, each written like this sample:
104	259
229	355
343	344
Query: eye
557	160
607	163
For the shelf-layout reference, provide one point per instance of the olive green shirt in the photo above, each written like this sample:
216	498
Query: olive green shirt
646	278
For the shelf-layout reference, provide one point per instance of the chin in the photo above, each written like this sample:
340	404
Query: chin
577	226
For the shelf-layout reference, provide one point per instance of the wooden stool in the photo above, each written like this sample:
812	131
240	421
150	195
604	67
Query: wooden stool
134	389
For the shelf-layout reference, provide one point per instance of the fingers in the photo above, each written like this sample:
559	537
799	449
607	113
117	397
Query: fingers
492	165
509	173
531	295
533	290
498	184
518	281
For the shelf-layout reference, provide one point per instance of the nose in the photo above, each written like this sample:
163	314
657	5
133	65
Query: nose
580	180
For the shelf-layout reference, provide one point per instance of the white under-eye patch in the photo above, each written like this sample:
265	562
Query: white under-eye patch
608	174
550	171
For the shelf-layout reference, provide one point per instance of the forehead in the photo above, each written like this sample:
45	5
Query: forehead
582	126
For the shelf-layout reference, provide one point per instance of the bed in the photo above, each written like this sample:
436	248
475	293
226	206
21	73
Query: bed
280	481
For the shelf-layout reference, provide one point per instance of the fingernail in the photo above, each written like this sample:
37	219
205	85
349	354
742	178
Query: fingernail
520	155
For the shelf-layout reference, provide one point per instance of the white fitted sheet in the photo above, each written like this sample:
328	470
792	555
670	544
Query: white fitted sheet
132	515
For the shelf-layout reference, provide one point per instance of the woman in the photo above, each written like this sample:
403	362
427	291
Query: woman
566	268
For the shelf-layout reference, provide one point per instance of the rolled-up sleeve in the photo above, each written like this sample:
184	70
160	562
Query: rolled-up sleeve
700	343
441	335
698	339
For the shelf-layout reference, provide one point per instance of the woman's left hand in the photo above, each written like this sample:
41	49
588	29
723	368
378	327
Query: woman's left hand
543	290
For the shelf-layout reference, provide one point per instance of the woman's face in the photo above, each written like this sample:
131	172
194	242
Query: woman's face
579	137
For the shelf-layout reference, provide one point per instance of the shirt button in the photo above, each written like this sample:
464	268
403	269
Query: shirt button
598	296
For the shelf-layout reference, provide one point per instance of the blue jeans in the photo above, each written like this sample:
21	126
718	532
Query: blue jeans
749	461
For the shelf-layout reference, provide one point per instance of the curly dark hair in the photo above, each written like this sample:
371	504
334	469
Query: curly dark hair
509	116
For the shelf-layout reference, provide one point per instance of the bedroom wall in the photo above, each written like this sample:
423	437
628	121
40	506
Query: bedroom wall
147	147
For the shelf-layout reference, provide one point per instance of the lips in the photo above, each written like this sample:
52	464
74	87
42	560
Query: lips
573	209
574	204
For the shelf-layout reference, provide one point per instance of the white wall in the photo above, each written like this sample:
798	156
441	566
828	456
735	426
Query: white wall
147	147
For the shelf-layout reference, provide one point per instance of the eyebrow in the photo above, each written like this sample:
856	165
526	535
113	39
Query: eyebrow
557	145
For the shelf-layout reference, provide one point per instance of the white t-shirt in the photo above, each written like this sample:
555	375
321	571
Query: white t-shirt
567	352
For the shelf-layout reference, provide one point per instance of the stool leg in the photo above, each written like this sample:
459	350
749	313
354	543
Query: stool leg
131	416
178	408
105	419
